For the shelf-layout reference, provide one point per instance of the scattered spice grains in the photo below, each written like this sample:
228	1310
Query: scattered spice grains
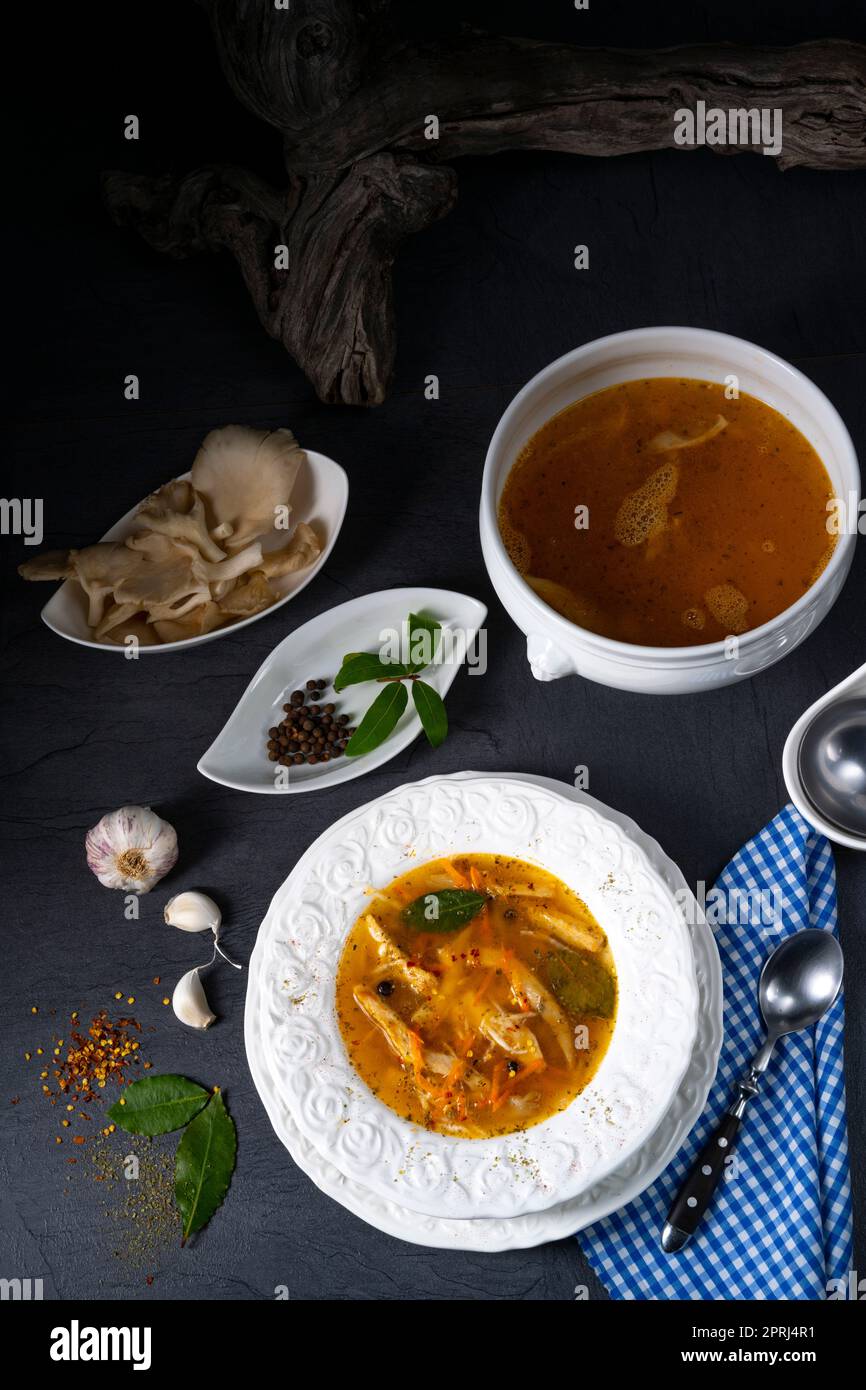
135	1174
82	1066
104	1054
138	1200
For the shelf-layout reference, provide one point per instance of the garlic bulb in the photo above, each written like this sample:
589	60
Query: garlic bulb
189	1000
193	911
131	849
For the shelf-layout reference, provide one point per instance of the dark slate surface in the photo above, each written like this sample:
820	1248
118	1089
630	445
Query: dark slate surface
484	299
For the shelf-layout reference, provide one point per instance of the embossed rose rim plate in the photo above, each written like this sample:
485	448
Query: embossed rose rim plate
291	1015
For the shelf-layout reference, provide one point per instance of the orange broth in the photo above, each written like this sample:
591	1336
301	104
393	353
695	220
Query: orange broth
486	1026
706	516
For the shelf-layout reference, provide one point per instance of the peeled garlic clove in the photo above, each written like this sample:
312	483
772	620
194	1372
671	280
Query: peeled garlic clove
193	912
132	849
189	1001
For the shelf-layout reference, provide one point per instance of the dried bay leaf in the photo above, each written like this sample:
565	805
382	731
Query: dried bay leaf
204	1164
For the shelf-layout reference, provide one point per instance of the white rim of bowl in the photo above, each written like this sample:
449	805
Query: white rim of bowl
699	651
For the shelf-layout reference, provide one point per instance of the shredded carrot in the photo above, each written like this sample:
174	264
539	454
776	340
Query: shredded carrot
496	1084
507	1090
458	879
416	1042
457	1072
485	985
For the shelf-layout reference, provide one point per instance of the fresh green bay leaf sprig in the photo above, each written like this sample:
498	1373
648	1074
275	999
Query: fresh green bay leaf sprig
431	712
381	718
423	636
365	666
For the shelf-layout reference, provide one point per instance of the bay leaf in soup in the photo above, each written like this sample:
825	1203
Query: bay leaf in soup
581	984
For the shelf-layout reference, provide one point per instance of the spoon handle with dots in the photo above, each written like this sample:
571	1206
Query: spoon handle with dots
697	1191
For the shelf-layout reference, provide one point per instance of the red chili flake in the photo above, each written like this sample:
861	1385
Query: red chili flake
87	1062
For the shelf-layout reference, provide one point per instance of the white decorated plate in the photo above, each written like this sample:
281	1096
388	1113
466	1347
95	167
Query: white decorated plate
319	497
237	757
564	1218
295	960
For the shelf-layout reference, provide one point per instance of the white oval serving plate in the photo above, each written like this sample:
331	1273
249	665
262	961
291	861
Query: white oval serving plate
563	1218
319	497
853	685
238	757
300	942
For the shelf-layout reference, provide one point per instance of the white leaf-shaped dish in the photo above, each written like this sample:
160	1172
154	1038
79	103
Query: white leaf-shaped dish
298	949
319	497
238	757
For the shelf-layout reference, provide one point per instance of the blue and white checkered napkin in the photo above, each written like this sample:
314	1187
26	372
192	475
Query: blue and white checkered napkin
779	1226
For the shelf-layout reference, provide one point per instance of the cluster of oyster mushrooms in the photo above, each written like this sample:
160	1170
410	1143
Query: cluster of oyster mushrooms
195	561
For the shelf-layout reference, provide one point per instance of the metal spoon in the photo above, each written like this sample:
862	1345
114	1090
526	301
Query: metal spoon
831	761
798	984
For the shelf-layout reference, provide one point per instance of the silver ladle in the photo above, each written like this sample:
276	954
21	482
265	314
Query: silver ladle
831	761
798	984
824	762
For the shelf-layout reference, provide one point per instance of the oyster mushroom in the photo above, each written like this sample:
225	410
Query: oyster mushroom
301	551
53	564
177	495
204	618
174	579
195	561
165	581
254	594
137	627
100	570
115	615
189	525
245	476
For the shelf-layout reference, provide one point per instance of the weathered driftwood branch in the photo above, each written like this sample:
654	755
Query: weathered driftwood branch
352	100
332	307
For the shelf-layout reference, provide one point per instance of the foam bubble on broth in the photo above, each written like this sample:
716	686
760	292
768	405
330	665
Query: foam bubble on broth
728	606
518	547
645	511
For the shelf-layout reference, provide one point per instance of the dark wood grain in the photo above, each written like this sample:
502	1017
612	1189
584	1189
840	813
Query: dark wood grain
346	89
